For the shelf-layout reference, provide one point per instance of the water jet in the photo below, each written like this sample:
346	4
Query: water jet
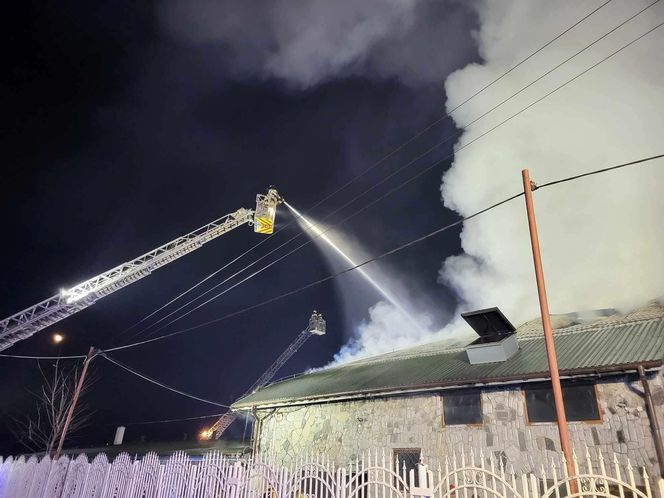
319	233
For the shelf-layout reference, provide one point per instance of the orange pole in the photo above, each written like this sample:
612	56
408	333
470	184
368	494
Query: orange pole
72	407
561	418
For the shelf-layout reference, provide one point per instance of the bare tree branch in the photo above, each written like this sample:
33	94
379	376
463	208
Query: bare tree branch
41	430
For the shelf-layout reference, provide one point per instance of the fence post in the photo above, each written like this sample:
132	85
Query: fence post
341	482
524	486
425	486
534	486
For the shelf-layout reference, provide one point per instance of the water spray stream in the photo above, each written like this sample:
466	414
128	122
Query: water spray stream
308	225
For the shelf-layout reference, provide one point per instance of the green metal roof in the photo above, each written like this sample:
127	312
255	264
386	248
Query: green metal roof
608	345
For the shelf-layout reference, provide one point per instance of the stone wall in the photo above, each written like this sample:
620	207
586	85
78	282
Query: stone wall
343	430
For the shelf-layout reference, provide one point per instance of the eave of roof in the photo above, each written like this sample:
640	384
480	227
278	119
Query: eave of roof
600	372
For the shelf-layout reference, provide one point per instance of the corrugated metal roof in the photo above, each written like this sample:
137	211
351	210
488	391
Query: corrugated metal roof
604	345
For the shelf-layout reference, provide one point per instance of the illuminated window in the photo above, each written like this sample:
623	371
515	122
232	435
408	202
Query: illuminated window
462	407
579	398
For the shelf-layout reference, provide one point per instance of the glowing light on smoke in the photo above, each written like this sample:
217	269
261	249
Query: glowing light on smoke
311	227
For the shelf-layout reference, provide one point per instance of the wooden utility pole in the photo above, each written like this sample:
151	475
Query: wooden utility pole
72	407
561	418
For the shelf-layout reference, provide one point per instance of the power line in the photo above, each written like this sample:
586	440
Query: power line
530	56
434	164
598	171
26	357
557	66
156	382
316	282
346	204
165	421
401	185
242	270
380	256
468	99
354	179
330	277
200	282
430	167
399	248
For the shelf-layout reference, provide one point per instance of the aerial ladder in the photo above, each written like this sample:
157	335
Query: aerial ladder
316	326
69	301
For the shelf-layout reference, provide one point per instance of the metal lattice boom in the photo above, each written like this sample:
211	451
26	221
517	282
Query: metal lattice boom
316	327
31	320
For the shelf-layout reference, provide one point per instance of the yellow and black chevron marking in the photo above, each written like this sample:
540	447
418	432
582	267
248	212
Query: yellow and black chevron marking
264	225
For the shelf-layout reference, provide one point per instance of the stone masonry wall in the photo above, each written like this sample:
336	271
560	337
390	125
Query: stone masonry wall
344	430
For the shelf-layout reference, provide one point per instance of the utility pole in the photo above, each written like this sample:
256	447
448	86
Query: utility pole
72	407
561	418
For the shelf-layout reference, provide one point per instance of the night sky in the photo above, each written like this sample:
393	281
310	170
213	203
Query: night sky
118	137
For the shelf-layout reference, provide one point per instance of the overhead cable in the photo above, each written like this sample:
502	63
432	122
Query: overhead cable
316	282
530	56
403	184
165	421
246	309
158	383
557	66
26	357
380	256
200	282
357	177
598	171
292	239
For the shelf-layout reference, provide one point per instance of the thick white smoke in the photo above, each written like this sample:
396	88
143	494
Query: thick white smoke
306	42
385	330
601	237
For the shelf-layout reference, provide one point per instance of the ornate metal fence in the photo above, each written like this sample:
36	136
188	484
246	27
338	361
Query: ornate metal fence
373	475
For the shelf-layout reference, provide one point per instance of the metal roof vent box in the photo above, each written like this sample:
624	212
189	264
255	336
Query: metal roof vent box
497	340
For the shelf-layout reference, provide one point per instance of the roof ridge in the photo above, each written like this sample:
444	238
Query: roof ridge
577	328
570	329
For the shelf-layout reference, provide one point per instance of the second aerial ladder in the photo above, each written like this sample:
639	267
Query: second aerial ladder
316	326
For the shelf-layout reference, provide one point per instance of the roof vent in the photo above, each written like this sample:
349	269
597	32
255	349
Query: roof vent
497	340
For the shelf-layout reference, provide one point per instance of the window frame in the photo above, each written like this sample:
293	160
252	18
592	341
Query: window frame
396	451
480	392
600	414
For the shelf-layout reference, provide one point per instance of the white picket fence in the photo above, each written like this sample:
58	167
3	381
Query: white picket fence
374	475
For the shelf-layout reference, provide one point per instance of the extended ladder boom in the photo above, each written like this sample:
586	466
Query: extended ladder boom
31	320
316	327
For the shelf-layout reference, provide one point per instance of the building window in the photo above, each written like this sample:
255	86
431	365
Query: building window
580	402
462	408
408	459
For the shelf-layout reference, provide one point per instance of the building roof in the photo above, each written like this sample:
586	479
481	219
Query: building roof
586	344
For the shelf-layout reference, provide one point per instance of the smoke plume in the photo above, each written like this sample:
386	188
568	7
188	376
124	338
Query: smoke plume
601	236
304	43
